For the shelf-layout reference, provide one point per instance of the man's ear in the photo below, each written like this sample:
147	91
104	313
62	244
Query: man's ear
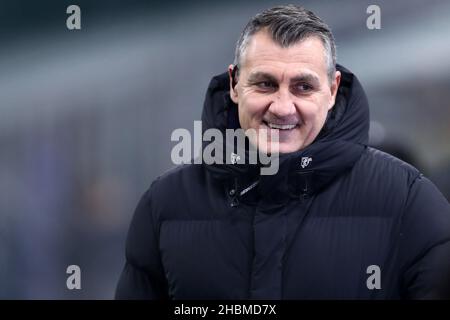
233	91
334	88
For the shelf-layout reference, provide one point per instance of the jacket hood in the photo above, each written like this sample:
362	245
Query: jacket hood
335	150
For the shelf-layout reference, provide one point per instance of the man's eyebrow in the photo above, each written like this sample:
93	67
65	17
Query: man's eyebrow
306	77
261	76
264	76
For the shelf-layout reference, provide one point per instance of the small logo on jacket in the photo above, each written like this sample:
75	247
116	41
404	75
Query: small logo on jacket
305	162
235	158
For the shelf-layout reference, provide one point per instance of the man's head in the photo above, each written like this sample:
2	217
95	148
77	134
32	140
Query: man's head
284	78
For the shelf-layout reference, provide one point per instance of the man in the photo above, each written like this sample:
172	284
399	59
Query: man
337	220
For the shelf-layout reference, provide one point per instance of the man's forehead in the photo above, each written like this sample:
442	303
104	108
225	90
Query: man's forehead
263	54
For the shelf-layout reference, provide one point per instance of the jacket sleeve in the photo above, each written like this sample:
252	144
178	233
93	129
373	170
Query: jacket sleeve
425	239
143	275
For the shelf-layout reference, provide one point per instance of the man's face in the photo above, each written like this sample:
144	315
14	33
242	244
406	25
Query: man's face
284	91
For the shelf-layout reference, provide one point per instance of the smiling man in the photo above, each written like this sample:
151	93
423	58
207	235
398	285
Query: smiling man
338	220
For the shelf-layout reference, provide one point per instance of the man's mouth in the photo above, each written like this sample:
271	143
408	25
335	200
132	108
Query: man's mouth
279	126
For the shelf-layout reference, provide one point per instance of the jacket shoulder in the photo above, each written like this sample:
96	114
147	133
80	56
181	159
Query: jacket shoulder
383	166
380	183
173	191
180	176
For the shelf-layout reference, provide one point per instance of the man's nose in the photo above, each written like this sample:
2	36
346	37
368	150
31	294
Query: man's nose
283	104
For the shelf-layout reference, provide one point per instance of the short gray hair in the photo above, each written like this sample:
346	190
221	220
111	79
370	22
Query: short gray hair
288	25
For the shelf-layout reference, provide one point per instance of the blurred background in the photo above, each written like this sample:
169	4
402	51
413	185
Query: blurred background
86	115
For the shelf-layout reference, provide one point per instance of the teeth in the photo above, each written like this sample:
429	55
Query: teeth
281	126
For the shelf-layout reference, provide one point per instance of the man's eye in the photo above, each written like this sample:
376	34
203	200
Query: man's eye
265	85
303	87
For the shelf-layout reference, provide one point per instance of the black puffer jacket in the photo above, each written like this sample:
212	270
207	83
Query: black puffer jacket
353	216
